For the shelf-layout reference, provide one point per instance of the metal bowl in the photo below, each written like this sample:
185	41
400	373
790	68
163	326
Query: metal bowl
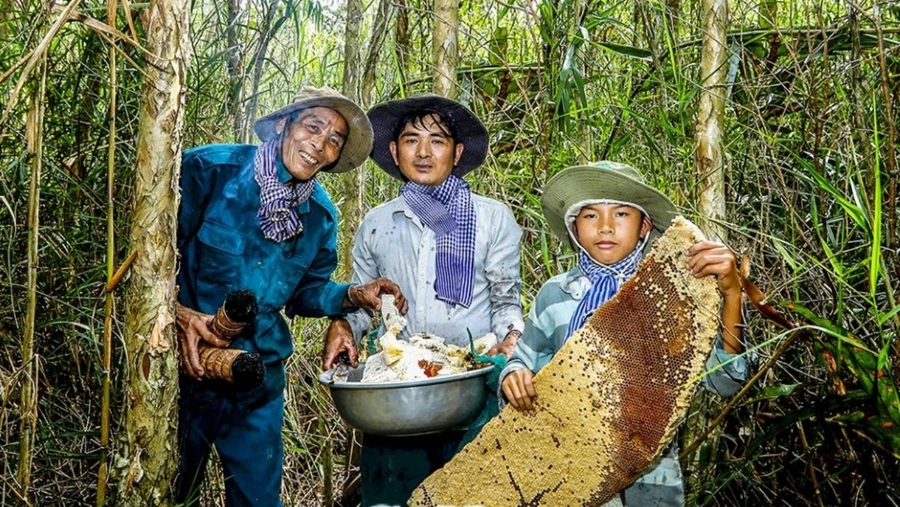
408	408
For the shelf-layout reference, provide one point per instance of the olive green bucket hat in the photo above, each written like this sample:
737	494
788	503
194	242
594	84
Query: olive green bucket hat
359	139
603	181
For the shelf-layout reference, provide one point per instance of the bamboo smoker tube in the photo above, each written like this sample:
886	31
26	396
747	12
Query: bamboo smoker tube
241	368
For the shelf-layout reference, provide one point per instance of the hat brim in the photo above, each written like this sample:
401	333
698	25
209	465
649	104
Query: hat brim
359	138
469	130
585	183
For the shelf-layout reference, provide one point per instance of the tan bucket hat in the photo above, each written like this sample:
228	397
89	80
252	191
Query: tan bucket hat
359	139
604	180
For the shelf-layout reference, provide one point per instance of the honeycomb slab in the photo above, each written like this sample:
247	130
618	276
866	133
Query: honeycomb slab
608	403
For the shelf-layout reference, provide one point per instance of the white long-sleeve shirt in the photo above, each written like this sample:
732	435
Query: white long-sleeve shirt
393	243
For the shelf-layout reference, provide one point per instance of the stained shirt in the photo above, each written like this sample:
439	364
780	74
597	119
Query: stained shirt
545	333
393	243
223	249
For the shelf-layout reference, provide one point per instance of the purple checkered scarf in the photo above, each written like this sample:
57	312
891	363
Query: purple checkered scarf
606	279
278	217
448	211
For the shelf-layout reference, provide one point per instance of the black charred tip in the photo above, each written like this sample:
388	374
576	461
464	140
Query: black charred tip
247	370
241	306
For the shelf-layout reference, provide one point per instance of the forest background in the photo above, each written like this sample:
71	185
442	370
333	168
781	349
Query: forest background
802	183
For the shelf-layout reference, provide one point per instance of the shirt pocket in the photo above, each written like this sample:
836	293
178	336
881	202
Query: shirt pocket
221	263
286	276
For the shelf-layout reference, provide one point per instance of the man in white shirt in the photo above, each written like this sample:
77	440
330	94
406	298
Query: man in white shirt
454	254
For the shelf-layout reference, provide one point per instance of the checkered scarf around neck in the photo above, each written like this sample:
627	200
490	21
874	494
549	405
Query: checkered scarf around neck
277	213
607	279
449	212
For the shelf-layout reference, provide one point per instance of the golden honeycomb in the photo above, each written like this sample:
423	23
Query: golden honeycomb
609	401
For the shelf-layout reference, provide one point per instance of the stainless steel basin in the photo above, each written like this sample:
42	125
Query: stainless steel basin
408	408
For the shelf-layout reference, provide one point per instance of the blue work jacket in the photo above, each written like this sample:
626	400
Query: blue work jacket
223	249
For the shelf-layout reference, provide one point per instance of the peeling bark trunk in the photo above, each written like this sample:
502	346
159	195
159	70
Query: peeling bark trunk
147	461
709	163
709	154
352	59
445	47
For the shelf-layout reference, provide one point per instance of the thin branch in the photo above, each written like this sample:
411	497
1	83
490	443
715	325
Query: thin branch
109	308
29	391
36	55
126	6
116	278
782	348
810	467
101	27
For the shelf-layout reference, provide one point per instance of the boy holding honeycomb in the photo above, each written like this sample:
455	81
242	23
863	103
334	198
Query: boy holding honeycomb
610	215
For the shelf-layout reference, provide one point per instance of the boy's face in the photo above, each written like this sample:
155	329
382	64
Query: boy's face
425	152
312	142
609	232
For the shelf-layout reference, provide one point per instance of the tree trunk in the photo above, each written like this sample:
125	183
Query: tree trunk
28	407
353	181
709	155
358	84
5	10
379	33
401	35
673	16
235	68
259	60
445	47
146	456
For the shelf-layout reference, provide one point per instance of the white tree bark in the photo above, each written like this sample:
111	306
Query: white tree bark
709	154
147	460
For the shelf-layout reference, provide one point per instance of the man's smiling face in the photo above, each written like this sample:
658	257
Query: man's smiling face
312	142
425	152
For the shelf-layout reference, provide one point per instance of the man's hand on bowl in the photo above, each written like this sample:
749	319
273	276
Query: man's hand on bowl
339	339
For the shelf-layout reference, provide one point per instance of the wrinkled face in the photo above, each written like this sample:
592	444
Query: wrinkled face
425	152
609	232
312	142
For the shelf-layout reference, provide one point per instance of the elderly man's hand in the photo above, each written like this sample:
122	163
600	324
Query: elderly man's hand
193	326
368	295
339	339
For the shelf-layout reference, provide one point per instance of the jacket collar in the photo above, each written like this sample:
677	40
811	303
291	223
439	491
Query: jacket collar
575	283
399	205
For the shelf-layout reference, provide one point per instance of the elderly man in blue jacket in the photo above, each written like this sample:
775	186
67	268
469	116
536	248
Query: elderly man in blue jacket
254	218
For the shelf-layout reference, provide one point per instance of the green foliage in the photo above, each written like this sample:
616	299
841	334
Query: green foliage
811	198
